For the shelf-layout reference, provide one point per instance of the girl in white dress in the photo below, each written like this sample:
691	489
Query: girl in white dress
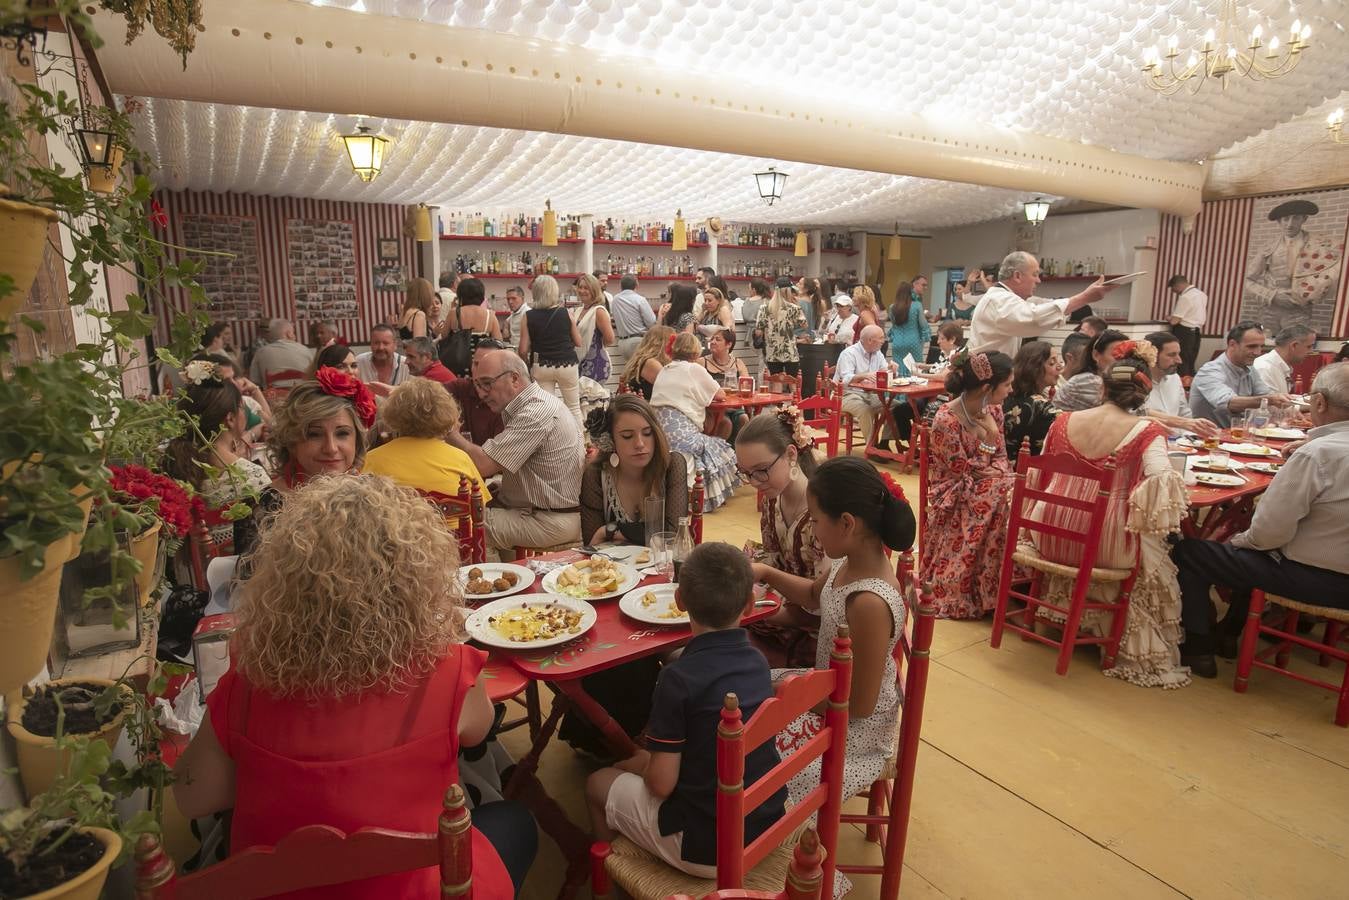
856	516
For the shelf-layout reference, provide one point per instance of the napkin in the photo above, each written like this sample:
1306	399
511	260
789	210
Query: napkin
910	364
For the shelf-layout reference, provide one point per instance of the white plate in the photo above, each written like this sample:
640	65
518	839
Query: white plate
480	628
1280	434
493	570
1194	442
631	603
1197	462
1214	479
1126	279
1250	449
625	553
627	580
1268	468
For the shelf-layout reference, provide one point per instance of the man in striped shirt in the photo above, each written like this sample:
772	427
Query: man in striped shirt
539	455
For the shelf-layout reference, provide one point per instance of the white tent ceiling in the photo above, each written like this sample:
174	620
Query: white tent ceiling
1066	71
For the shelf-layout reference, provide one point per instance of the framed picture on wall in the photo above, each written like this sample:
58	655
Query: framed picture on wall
388	248
388	277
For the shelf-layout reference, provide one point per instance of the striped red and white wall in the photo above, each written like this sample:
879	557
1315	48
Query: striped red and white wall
1214	257
370	223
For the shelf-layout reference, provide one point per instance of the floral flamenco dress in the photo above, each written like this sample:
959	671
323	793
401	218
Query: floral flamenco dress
968	506
1147	502
790	547
871	740
383	759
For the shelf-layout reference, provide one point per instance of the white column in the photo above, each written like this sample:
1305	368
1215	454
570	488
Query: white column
1142	290
712	246
588	248
430	251
815	258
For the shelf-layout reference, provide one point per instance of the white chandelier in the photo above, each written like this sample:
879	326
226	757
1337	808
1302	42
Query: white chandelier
1220	56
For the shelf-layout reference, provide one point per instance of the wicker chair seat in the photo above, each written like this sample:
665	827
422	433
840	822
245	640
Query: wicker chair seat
1028	555
642	874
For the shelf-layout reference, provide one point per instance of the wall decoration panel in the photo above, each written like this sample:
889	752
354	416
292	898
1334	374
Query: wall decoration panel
1237	255
312	259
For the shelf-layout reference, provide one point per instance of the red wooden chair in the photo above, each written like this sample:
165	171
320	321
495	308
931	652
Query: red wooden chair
805	875
201	549
890	797
318	856
464	514
1033	476
1285	637
782	383
763	864
823	415
922	438
697	499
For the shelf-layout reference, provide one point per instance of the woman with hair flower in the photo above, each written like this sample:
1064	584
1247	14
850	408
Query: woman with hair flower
969	488
1147	502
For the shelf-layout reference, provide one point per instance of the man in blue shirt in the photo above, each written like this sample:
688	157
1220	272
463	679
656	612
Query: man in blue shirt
857	368
1228	384
632	315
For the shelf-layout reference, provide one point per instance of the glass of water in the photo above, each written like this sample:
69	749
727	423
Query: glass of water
662	553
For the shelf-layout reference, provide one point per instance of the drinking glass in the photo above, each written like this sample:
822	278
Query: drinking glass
1211	442
1177	460
662	553
1238	428
1219	459
653	515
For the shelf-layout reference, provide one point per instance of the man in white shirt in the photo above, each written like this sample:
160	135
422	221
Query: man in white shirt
1295	545
1291	347
282	361
840	325
1187	320
382	367
515	322
1010	311
1167	402
857	367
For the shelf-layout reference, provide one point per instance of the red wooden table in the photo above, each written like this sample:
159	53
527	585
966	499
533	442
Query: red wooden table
1228	510
750	404
613	640
911	392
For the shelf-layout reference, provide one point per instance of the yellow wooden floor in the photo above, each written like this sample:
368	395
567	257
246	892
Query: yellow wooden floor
1032	785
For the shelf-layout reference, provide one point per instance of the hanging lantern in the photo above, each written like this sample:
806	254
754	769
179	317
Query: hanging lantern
548	234
422	223
365	150
1036	210
679	239
802	246
894	251
770	184
103	179
96	146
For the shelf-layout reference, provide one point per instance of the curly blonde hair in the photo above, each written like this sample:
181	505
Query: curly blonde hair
353	588
864	298
421	408
306	404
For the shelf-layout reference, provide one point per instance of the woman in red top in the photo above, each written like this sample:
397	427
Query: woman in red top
349	697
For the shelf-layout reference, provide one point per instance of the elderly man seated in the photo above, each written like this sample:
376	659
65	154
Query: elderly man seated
480	421
1228	384
539	456
1296	544
423	362
857	368
282	361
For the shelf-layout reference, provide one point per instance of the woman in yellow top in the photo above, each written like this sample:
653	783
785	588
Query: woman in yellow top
421	412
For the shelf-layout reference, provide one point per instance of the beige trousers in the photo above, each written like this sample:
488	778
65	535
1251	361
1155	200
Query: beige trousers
864	408
510	528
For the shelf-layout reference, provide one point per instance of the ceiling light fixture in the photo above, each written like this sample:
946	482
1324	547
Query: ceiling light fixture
1218	56
1335	125
365	150
770	184
1036	210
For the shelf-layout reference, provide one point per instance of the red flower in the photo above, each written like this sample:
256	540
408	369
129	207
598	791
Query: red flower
149	493
1122	349
894	487
336	383
157	215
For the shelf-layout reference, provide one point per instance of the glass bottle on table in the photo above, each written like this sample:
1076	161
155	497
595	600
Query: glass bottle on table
683	546
1259	418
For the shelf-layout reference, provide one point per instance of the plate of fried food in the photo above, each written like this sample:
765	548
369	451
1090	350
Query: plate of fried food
1249	449
487	581
632	554
527	623
594	578
654	605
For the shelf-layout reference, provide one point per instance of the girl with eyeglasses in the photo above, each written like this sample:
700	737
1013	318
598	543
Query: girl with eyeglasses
774	455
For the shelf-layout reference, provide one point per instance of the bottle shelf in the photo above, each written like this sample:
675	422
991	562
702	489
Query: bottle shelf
780	249
512	276
507	240
693	245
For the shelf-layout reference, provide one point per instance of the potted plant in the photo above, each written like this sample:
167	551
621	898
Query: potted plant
63	413
74	707
168	505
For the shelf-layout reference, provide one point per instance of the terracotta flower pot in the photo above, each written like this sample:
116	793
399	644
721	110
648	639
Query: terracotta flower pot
39	760
145	548
28	614
88	885
23	237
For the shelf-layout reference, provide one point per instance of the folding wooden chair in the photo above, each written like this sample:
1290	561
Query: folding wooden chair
1285	636
1033	476
318	856
763	864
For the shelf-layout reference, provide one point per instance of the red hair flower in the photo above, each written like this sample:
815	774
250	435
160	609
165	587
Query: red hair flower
1122	349
669	344
336	383
894	487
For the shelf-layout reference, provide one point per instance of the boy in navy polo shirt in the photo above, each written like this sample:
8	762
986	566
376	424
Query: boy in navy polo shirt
664	798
